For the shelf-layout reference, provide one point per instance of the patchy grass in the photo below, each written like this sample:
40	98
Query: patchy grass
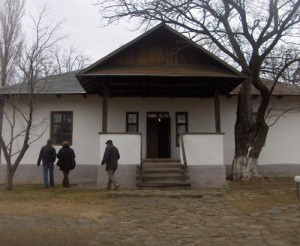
30	193
30	213
28	209
26	199
262	193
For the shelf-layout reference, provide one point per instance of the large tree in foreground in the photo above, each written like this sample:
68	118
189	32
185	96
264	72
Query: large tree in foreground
247	32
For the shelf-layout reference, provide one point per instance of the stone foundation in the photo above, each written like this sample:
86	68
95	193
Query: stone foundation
29	173
207	175
125	175
199	175
274	170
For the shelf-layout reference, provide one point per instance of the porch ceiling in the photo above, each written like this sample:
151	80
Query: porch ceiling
158	85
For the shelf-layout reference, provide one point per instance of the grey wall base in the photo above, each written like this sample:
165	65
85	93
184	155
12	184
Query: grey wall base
207	175
199	176
274	170
125	175
33	174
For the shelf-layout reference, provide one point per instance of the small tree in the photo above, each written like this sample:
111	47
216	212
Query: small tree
245	31
25	71
11	13
33	63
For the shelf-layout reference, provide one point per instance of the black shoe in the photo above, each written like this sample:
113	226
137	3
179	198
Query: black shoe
117	187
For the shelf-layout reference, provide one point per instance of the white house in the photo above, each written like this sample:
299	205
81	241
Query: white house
159	97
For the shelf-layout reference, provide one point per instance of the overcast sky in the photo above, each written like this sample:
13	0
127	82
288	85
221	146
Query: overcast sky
82	25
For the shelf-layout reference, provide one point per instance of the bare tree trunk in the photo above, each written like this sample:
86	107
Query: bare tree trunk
10	172
1	122
243	129
250	134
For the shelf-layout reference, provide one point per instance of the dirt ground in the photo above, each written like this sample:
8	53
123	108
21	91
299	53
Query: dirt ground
83	214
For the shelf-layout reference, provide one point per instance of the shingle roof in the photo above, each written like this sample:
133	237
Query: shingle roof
65	83
281	89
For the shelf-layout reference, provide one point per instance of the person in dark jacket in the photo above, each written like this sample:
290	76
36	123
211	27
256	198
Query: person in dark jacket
48	156
110	158
66	162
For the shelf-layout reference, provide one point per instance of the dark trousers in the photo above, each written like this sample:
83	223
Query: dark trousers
65	182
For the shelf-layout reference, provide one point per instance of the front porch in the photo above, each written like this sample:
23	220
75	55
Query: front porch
201	162
162	64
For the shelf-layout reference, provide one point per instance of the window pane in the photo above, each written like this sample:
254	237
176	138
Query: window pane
181	129
67	138
68	118
132	128
181	118
57	118
62	127
163	115
152	115
132	118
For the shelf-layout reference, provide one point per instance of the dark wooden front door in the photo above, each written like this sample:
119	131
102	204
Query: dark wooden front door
158	135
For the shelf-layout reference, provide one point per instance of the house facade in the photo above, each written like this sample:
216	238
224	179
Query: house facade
161	96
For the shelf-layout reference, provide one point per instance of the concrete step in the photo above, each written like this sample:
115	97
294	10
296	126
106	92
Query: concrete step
160	170
161	173
160	160
164	183
155	164
162	176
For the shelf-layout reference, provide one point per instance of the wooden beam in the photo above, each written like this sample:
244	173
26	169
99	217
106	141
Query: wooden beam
217	109
104	108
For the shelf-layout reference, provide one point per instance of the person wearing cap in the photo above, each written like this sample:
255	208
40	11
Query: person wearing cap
110	158
48	156
66	162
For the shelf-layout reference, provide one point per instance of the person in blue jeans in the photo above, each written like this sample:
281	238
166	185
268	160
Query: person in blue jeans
48	156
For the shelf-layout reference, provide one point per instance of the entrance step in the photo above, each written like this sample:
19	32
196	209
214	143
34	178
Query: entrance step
161	173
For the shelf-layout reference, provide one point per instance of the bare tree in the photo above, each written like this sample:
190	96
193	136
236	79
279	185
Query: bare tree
11	13
70	59
32	66
246	32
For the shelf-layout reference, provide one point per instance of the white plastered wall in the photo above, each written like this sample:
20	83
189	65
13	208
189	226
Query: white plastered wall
200	115
283	140
203	149
86	126
282	144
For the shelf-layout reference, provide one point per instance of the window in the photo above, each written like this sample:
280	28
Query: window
132	122
61	127
181	125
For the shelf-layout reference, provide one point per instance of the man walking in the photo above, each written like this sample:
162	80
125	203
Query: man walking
110	158
48	156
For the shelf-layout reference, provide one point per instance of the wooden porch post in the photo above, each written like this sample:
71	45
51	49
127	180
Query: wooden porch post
217	109
104	108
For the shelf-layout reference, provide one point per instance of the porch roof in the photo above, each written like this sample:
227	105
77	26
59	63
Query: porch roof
163	63
159	86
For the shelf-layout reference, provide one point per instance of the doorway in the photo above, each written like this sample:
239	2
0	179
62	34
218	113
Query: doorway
158	135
